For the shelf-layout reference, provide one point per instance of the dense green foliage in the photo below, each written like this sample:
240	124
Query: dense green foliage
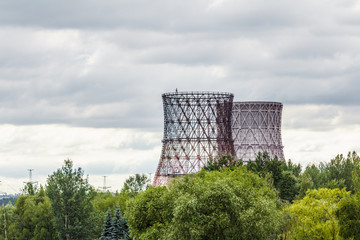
35	215
340	173
222	161
104	201
284	175
262	199
149	213
337	173
222	204
356	172
30	189
313	217
33	218
348	213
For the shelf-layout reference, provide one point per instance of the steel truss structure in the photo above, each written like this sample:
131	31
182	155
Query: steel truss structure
256	127
197	126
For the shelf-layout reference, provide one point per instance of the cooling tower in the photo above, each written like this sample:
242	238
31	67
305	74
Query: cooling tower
256	127
197	126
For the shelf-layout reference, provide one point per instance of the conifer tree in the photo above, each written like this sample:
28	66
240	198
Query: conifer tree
117	228
107	232
125	229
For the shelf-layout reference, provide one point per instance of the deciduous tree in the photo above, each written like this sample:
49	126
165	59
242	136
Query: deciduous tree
348	213
135	184
222	161
222	204
282	175
7	216
313	217
71	195
149	213
356	174
33	218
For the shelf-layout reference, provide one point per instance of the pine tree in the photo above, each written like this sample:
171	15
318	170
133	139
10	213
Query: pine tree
125	229
117	228
107	235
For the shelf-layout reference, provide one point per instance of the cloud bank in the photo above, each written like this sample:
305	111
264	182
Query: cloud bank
101	66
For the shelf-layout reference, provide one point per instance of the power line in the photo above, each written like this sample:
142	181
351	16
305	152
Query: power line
4	193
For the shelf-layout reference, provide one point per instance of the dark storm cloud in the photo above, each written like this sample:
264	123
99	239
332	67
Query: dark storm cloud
106	63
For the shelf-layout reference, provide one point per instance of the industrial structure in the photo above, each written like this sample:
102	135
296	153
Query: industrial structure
200	125
30	182
197	126
256	127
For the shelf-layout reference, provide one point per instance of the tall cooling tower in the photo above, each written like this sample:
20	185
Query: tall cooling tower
256	127
197	126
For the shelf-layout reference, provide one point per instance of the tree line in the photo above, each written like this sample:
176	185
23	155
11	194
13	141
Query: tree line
68	207
262	199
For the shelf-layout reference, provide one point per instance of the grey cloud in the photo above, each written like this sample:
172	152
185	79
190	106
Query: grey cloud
320	117
106	64
137	14
166	15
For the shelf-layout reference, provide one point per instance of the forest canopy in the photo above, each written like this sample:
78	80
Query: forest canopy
263	199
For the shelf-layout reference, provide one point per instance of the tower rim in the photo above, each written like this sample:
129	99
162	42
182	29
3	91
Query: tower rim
197	93
258	102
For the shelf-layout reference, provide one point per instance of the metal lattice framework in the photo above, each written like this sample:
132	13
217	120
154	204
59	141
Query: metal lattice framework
197	126
256	127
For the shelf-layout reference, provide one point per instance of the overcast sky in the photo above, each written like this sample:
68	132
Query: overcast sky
83	79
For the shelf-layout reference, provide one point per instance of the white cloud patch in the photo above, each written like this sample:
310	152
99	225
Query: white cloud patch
116	152
307	147
317	133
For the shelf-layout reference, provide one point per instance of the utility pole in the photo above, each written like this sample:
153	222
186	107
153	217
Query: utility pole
30	182
30	177
104	187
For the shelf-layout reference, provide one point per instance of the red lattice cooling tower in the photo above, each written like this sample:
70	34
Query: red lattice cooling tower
197	126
